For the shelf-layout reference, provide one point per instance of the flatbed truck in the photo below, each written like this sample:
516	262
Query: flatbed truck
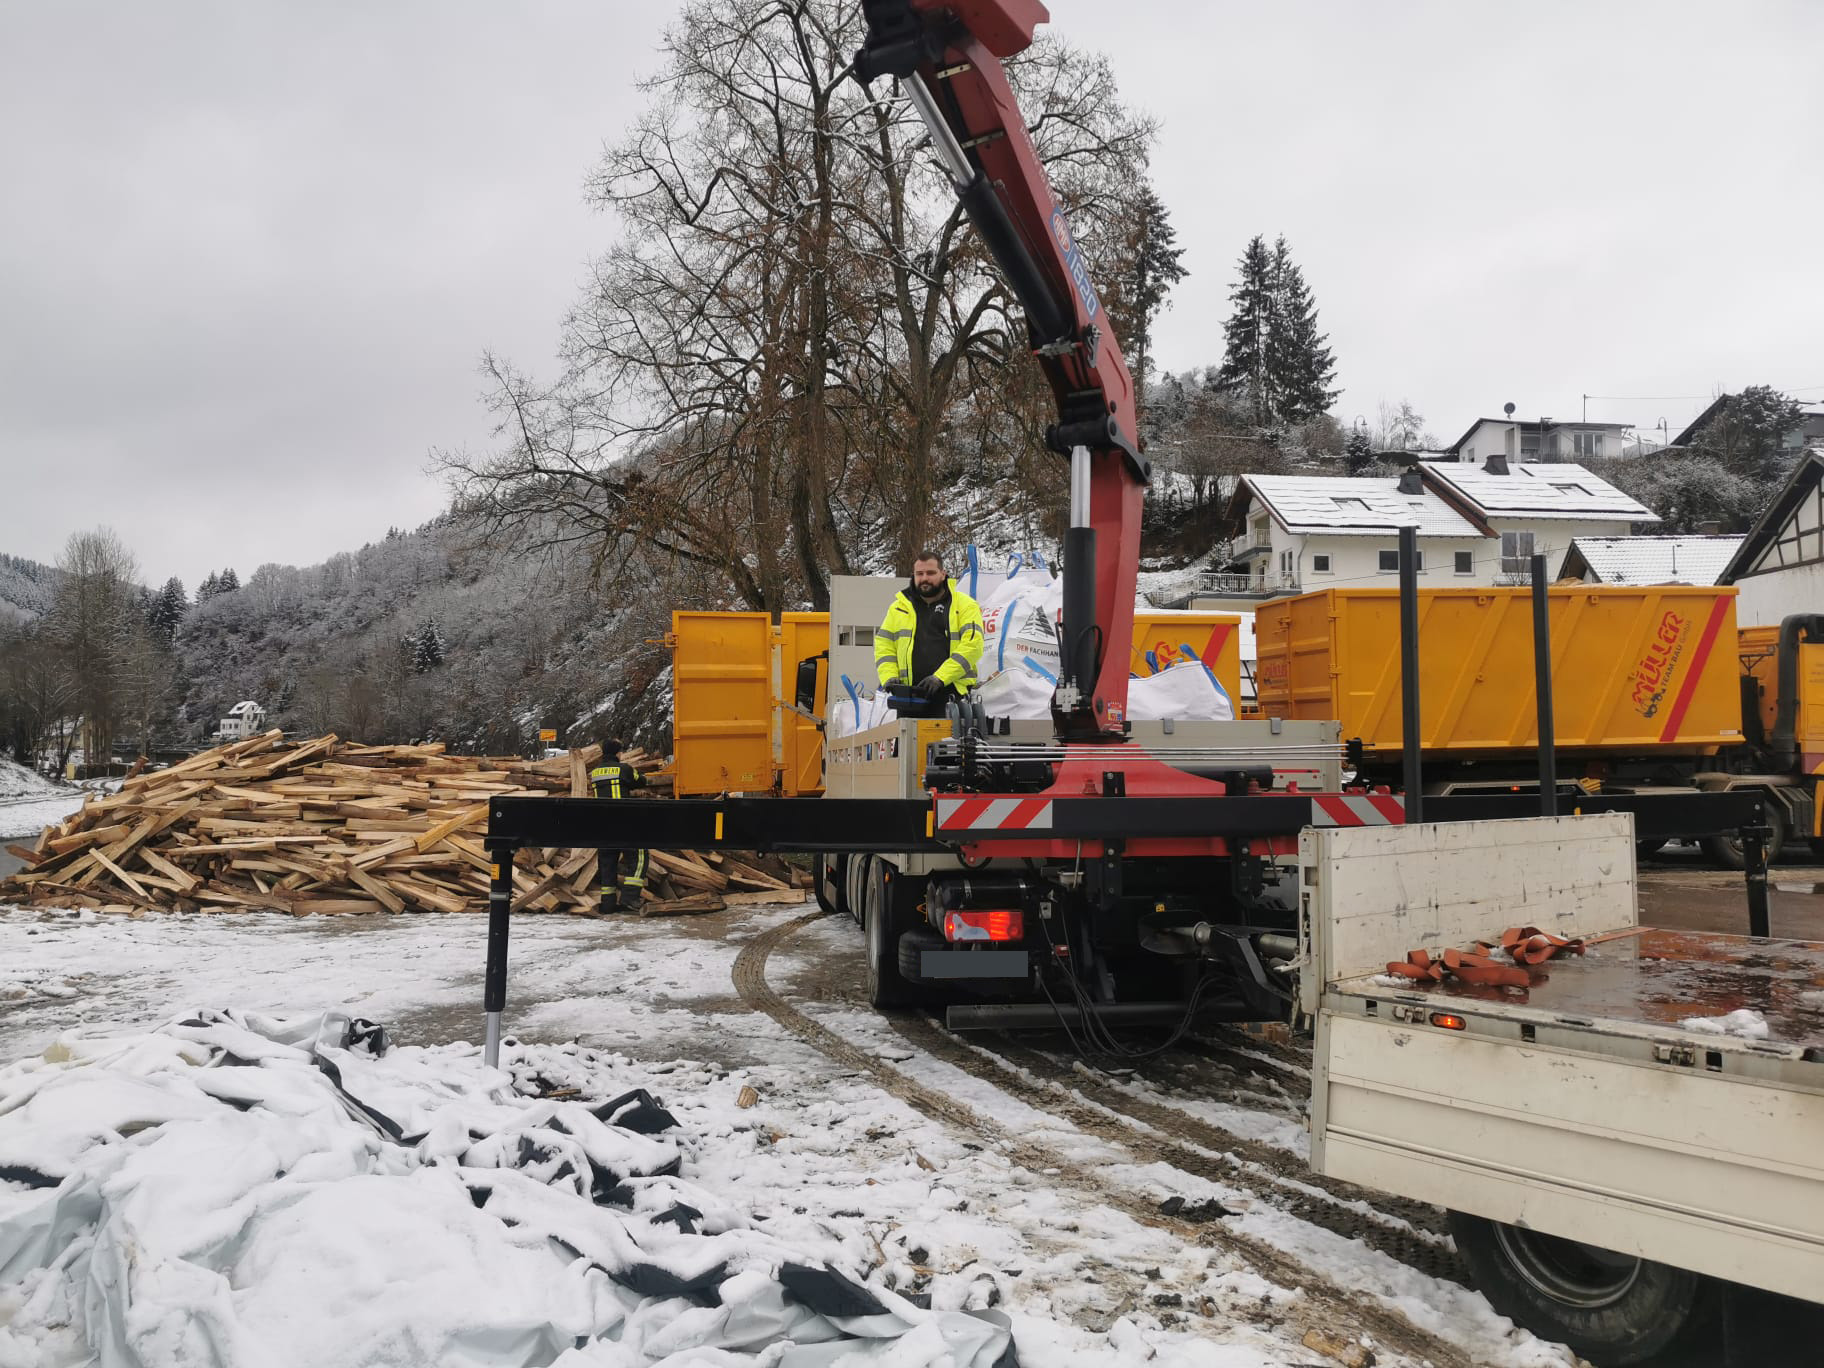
1623	1173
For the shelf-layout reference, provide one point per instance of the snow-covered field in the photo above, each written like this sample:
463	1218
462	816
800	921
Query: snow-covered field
208	1205
29	802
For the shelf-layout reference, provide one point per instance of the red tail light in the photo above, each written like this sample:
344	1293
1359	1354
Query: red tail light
998	925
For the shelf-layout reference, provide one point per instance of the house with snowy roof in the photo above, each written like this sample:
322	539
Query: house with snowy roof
1518	441
1535	509
1300	533
1649	560
1295	534
244	719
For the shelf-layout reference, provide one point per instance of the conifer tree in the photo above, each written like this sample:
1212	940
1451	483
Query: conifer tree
1276	361
1156	268
427	647
1246	334
228	582
166	610
209	588
1301	365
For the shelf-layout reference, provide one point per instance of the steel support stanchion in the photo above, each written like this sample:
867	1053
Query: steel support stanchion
1409	670
494	984
1542	685
1754	868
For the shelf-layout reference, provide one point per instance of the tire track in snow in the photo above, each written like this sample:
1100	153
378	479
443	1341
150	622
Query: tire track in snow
1410	1232
1323	1305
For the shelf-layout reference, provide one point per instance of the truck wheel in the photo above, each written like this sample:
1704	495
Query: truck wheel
854	884
887	987
1612	1308
827	881
1727	850
914	943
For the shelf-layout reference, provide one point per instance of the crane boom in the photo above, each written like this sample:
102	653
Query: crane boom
947	55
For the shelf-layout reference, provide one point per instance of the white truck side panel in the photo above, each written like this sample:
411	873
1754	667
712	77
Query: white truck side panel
1436	885
1718	1175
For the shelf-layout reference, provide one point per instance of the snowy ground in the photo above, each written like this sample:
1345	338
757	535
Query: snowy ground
891	1165
28	803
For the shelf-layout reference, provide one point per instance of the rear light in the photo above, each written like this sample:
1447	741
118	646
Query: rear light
997	925
1448	1020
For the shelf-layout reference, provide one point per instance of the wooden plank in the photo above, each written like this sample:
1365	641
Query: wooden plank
790	897
677	907
382	894
121	874
93	836
185	880
367	859
467	817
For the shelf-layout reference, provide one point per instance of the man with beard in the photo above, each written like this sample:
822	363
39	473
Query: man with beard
930	641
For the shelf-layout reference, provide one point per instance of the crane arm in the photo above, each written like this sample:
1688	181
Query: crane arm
947	55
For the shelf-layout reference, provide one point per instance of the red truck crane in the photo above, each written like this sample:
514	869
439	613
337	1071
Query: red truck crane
1139	875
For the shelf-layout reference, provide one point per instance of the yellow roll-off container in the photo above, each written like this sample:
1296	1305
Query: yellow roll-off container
734	673
1634	670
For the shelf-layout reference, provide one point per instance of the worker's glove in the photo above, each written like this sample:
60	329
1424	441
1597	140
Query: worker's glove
930	687
892	682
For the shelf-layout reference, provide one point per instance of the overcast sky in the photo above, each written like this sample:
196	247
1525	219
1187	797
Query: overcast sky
251	251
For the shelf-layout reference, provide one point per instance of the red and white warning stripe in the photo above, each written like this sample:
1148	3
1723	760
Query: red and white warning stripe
1357	809
993	814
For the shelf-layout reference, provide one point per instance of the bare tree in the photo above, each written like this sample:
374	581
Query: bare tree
771	359
92	619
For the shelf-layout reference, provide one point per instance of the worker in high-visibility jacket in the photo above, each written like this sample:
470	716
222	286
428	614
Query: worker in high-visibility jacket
930	641
620	875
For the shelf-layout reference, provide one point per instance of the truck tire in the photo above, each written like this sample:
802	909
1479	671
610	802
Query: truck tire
854	884
1613	1309
887	987
914	943
1727	850
826	881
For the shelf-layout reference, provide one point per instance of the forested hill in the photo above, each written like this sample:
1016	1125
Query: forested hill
26	588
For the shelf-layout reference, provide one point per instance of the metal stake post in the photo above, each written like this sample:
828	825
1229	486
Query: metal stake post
1542	688
1409	669
1754	866
494	982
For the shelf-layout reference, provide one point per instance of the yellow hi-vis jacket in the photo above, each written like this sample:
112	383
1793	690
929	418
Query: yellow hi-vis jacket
893	641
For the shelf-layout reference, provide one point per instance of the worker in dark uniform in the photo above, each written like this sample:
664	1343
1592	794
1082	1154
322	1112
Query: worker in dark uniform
620	875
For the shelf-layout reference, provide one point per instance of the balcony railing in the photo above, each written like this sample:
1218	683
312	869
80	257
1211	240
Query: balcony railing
1253	586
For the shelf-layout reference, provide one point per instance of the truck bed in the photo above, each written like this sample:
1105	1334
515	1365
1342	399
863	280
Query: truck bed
1647	981
1586	1106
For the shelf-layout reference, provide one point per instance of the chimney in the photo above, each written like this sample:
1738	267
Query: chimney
1411	482
1496	464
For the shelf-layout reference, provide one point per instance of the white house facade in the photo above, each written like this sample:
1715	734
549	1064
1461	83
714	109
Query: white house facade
1779	568
244	719
1518	441
1306	533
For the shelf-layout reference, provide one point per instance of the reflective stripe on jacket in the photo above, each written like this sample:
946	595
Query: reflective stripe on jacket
893	641
614	781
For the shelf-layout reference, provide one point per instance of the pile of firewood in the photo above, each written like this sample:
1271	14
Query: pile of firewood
328	827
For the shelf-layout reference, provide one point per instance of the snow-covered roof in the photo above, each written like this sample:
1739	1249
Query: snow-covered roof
245	709
1355	506
1546	489
1656	560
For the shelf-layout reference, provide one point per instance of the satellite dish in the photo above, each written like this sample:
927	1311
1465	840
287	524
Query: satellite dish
1508	409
